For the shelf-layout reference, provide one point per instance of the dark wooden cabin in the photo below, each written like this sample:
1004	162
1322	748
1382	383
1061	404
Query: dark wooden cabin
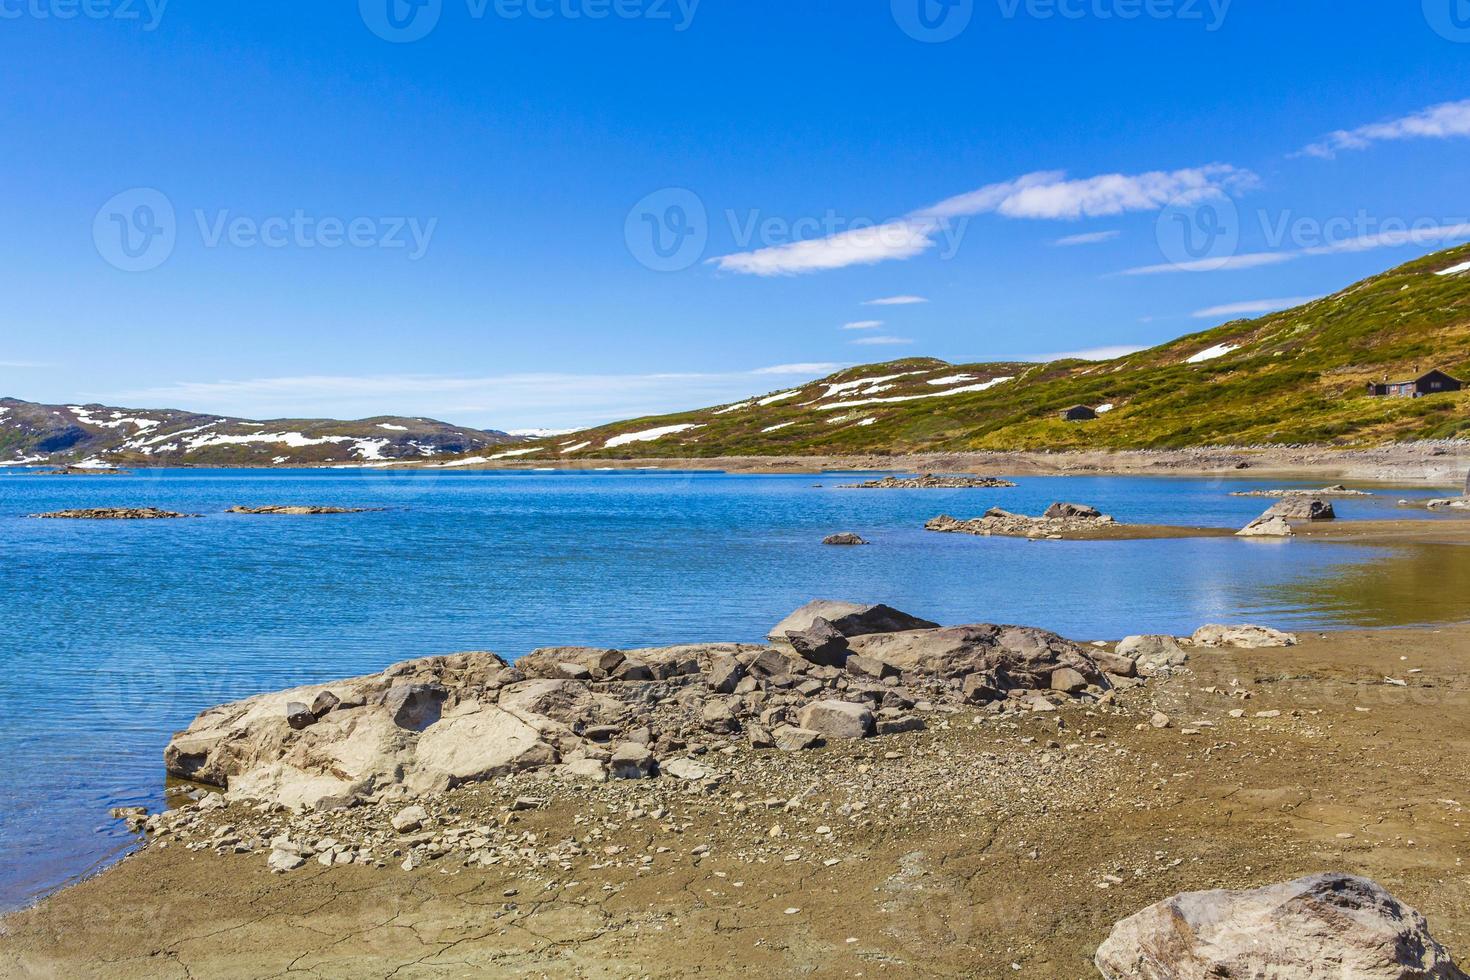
1434	383
1079	413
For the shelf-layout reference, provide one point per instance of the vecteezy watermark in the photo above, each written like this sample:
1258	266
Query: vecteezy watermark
1203	233
669	231
405	21
936	21
1449	18
933	21
137	230
147	12
1200	232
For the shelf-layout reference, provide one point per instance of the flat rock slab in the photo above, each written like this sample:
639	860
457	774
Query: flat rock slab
298	511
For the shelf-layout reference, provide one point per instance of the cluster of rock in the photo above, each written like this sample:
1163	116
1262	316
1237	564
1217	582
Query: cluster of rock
1326	925
1334	491
113	514
1059	520
1450	503
301	511
833	671
931	482
82	471
1276	521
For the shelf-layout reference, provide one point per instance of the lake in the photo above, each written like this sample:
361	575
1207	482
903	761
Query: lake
118	633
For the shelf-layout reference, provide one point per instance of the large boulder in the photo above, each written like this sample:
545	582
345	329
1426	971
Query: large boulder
844	539
837	719
820	643
1243	637
1267	526
1063	511
850	619
1018	656
1326	926
1153	656
1302	509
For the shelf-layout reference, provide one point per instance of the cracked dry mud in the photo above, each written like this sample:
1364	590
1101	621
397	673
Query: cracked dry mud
999	848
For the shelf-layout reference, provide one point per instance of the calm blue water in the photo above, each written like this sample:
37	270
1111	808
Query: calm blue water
117	633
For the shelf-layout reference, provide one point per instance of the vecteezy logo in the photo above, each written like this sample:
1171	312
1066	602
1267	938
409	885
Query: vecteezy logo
668	230
401	21
1199	232
933	21
1449	18
136	230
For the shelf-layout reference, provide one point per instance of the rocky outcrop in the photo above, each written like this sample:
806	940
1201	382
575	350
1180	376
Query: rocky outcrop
113	514
1243	637
425	726
1328	925
1334	491
846	538
1060	520
931	482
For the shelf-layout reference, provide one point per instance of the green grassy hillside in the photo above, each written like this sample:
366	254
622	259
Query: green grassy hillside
1299	376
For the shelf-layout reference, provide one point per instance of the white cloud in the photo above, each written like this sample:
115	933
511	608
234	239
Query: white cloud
1419	235
882	341
1049	196
22	365
544	400
1252	306
1089	354
1043	195
818	368
1090	238
896	301
863	325
862	246
1445	121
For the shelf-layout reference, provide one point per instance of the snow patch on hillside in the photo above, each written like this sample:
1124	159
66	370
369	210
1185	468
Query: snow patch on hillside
648	435
779	397
778	427
953	379
1219	350
392	428
1455	270
983	386
735	408
576	448
515	452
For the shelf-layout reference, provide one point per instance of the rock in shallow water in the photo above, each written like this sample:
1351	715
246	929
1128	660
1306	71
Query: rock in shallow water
1326	926
844	539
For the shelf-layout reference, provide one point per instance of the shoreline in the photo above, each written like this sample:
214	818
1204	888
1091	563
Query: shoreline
943	871
1431	464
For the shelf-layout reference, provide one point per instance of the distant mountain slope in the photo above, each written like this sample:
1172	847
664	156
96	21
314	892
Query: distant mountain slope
1299	376
32	433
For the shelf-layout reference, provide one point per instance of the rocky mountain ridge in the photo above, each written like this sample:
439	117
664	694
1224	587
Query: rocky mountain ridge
100	435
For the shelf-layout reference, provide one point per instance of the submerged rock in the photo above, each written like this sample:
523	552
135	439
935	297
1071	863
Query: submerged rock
931	482
1327	925
294	510
113	514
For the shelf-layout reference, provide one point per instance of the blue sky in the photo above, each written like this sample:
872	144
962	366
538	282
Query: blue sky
327	216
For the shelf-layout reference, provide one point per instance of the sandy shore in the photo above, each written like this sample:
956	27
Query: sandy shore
958	851
1423	464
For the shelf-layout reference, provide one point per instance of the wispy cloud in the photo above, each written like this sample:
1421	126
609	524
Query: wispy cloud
816	368
882	341
1252	306
1447	120
896	301
1422	235
520	401
1045	195
863	325
1089	354
22	365
1090	238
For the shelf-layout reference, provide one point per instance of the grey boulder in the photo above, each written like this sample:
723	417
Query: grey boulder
1326	926
850	619
837	719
